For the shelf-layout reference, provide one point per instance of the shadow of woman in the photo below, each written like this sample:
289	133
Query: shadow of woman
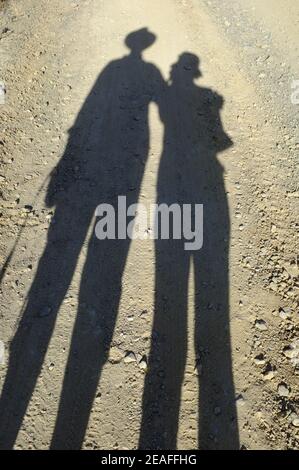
190	173
105	157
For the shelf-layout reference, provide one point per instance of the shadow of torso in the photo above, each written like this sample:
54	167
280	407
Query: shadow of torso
108	144
189	170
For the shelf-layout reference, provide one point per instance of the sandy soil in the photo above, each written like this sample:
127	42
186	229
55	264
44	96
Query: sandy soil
111	344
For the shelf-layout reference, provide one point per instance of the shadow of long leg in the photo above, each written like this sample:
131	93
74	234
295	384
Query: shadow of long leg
162	389
29	345
99	298
218	428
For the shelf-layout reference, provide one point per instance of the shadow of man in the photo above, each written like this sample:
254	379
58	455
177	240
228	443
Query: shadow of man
190	173
105	157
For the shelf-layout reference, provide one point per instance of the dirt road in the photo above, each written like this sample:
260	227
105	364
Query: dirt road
116	344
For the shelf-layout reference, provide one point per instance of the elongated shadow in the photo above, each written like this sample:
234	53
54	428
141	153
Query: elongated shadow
190	173
105	157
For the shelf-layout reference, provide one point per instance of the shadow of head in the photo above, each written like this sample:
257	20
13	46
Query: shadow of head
186	68
139	40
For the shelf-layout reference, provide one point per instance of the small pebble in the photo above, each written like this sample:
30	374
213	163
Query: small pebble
295	422
143	363
261	325
290	352
285	313
115	355
129	357
269	374
260	359
240	400
283	390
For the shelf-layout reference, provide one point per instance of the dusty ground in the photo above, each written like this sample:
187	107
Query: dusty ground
51	56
